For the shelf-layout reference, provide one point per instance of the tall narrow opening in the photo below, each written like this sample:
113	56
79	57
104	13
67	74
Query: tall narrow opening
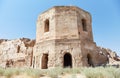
31	58
34	61
67	60
18	49
46	27
89	59
84	25
45	61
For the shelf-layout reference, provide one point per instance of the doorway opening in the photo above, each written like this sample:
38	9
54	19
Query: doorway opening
68	60
89	59
45	61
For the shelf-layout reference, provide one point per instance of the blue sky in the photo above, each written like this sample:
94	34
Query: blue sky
18	18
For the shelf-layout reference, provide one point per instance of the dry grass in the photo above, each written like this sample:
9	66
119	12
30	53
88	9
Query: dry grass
98	72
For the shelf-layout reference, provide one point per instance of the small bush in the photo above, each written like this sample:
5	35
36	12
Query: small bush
101	72
55	72
34	73
8	73
1	71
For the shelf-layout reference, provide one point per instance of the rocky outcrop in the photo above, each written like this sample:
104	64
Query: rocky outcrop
113	58
16	53
2	40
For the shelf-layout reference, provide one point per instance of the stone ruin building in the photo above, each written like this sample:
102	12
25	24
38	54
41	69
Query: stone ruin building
63	39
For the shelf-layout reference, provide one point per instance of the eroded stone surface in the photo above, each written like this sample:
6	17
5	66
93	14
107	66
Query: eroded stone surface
16	53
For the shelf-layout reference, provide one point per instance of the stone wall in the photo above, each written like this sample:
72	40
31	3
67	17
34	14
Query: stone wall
40	32
65	22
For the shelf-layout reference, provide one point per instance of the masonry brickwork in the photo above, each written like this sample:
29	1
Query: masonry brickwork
64	39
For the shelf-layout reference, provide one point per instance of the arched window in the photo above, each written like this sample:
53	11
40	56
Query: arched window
84	25
46	27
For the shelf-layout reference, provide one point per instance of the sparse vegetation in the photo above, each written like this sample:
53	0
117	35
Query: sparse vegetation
97	72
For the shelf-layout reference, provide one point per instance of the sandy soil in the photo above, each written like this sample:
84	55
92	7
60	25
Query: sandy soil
61	76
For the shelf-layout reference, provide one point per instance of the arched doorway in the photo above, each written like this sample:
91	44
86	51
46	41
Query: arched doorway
89	59
67	60
45	61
